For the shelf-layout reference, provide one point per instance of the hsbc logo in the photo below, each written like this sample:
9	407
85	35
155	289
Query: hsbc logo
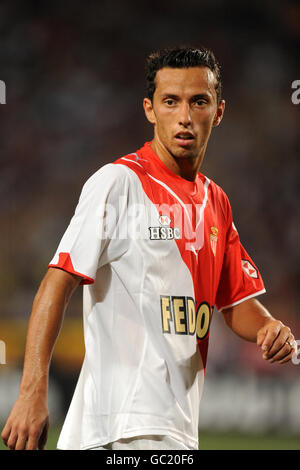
164	231
164	220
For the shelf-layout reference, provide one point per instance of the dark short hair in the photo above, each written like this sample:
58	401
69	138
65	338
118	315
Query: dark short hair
181	57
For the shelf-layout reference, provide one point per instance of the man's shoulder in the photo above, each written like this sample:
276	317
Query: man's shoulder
219	199
218	191
116	170
113	179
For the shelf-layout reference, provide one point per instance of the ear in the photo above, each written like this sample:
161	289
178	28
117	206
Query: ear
219	113
148	108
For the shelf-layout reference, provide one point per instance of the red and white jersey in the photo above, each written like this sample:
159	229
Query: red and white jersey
156	253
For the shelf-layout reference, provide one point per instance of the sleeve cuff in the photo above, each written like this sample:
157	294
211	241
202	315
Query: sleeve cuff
65	263
242	300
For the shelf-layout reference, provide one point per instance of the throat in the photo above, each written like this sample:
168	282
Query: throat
186	167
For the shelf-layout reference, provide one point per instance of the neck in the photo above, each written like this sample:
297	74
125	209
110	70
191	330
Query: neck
186	167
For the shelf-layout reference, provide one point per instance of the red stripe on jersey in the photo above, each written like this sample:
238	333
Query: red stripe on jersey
65	263
193	192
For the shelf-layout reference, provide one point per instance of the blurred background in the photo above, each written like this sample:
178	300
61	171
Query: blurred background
74	75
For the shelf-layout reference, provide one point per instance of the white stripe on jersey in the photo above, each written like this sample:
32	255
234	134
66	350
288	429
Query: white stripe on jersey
206	184
164	185
243	299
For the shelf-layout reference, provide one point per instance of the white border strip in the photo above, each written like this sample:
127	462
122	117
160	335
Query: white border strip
205	199
131	161
173	194
203	205
163	185
243	299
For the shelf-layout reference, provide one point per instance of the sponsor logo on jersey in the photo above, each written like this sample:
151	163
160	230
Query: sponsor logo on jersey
249	269
164	231
179	315
213	239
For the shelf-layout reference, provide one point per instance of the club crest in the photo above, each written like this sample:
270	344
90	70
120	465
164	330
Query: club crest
213	239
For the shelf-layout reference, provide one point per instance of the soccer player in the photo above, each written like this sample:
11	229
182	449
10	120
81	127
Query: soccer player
154	243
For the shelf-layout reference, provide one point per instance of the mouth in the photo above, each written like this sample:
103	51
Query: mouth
184	138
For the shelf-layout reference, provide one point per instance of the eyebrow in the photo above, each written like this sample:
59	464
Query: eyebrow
194	97
201	95
170	95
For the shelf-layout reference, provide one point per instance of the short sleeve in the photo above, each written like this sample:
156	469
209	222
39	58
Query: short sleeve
240	278
90	240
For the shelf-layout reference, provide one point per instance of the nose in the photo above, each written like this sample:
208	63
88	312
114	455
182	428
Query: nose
184	115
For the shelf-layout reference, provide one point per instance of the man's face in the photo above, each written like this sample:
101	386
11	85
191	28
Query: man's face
184	110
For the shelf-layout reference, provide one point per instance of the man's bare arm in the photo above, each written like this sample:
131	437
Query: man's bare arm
251	321
28	421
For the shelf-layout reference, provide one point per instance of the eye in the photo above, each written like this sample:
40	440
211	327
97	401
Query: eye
169	102
200	102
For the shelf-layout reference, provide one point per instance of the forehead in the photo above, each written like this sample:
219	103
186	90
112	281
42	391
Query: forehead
191	80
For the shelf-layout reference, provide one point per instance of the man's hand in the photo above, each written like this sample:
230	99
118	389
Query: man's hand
277	342
27	423
252	322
